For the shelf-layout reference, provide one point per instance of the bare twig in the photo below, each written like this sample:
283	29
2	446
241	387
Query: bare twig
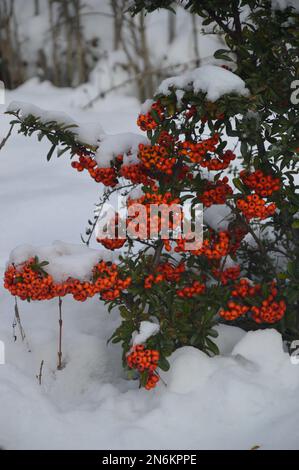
19	323
18	320
3	142
59	365
40	374
138	75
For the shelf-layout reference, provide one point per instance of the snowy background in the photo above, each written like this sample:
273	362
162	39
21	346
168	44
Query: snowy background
246	397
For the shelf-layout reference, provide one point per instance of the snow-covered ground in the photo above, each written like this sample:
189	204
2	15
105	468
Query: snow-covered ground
247	396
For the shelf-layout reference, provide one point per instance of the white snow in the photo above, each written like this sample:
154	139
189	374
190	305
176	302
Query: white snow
65	259
210	79
283	4
88	133
146	330
119	144
217	216
146	106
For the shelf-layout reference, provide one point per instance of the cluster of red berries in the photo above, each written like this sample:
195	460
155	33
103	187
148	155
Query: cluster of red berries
241	290
245	288
185	244
107	281
216	193
151	221
112	241
221	162
229	274
167	272
145	360
157	157
237	234
196	151
264	185
184	173
146	122
29	282
137	174
217	247
171	273
196	288
234	311
166	139
200	152
254	207
270	311
107	176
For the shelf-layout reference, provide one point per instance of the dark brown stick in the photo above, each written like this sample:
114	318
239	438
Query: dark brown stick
40	375
59	365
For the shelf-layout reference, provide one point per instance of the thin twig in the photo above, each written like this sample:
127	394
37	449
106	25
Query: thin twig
3	142
39	376
17	321
59	365
137	76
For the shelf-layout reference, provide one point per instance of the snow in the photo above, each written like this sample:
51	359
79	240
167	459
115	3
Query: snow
261	355
65	259
283	4
146	106
217	216
146	330
190	369
228	337
119	144
210	79
88	133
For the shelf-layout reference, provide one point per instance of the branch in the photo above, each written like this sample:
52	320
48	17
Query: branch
138	75
6	137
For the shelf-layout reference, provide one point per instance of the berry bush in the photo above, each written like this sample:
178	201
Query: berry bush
238	156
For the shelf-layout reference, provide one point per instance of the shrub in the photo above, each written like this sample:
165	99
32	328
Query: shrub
230	142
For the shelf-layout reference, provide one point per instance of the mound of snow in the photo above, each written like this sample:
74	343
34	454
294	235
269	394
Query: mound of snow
210	79
190	369
228	337
87	133
119	144
65	259
146	330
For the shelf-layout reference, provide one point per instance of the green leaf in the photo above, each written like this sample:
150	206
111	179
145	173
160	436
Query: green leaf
51	151
144	378
239	185
213	333
222	55
211	346
155	116
163	364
